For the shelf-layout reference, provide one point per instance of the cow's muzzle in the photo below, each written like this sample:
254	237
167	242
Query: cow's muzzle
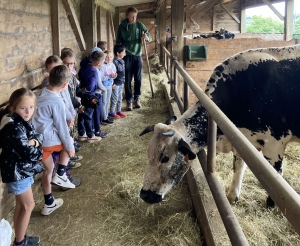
150	197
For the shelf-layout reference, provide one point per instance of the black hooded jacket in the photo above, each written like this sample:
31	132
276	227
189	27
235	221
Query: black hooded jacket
18	160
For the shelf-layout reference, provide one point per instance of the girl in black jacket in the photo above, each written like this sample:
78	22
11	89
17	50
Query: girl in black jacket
20	159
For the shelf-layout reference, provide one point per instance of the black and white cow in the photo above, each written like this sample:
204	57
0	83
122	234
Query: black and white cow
259	91
222	34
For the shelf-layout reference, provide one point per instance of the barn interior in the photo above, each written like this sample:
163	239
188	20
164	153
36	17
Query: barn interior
32	30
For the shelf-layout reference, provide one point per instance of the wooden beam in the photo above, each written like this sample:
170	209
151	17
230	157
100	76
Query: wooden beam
204	8
243	16
276	12
213	19
112	28
117	20
98	21
289	19
139	7
108	36
177	34
55	27
74	24
88	23
230	13
162	28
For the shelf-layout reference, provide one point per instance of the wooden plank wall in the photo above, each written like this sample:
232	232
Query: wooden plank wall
220	50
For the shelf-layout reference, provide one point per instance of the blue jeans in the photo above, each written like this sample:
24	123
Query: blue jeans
85	122
105	100
98	114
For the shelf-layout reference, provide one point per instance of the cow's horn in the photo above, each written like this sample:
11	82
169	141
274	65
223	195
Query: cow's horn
148	129
169	133
171	120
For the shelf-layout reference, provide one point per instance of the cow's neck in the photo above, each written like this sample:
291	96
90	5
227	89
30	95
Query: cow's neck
193	125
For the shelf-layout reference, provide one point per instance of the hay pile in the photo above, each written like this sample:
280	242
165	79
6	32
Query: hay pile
262	226
106	209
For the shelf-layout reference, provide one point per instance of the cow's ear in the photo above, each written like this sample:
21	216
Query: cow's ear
185	149
147	129
171	120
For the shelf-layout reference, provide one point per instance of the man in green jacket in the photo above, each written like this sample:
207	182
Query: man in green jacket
130	35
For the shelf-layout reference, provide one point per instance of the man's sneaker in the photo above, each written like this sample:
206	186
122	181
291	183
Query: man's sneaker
115	116
107	122
76	158
101	134
137	104
129	106
82	138
75	181
94	139
73	164
48	209
62	181
121	114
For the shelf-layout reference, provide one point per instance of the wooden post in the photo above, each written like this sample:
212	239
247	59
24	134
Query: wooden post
288	19
112	28
108	30
162	27
243	16
88	21
177	36
55	27
98	20
116	21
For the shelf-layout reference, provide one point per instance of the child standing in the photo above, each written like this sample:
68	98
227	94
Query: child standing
108	71
51	62
116	98
50	120
20	158
89	84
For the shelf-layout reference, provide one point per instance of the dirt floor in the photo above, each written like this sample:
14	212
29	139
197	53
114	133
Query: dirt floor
106	209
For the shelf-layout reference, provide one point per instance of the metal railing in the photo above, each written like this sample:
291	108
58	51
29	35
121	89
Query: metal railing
281	192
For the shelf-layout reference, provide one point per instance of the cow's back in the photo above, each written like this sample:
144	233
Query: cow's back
260	90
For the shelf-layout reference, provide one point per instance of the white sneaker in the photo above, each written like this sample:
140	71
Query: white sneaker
82	138
93	139
62	181
48	209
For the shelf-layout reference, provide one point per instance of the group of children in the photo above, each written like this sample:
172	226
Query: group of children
40	127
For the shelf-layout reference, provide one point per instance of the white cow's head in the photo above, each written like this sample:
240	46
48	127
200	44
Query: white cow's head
168	156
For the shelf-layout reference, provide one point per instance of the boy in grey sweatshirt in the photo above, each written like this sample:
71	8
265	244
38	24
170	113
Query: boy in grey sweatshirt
50	120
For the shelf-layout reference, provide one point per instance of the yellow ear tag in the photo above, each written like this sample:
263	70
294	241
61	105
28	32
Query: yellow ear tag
186	158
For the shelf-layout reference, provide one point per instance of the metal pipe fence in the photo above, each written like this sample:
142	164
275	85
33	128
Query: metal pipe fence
281	192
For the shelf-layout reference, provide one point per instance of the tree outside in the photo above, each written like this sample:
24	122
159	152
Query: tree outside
259	24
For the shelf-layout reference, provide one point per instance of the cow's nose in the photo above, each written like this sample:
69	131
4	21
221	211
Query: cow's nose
150	197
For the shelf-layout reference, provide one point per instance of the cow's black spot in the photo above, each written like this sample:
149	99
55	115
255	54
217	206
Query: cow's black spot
219	68
218	74
261	142
211	80
226	62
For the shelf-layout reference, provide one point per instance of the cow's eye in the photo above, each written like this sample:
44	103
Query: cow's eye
164	159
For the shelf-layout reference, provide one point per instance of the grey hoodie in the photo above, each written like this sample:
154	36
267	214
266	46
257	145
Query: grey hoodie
50	119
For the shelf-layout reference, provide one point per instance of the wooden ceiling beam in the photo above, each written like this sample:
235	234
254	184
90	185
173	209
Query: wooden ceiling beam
139	7
230	13
276	12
